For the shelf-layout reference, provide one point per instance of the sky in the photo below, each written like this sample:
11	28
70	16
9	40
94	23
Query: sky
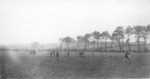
45	21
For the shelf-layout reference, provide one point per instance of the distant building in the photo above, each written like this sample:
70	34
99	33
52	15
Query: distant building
35	45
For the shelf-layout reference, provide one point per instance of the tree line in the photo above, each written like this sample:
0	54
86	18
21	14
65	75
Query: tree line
120	38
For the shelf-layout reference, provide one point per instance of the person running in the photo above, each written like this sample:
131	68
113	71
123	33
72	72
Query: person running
128	55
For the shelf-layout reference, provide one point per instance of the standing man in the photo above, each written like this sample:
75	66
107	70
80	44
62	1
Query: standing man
57	54
51	53
68	53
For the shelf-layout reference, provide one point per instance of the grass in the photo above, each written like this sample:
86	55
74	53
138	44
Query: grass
42	66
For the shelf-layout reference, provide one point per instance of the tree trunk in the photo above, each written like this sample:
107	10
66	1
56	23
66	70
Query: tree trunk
97	44
101	44
105	44
78	46
122	46
93	46
145	46
128	43
88	46
119	45
112	46
85	46
138	44
129	46
68	49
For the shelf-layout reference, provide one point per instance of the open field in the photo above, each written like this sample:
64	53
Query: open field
109	65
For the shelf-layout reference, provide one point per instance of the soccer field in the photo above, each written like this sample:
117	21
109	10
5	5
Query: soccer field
101	65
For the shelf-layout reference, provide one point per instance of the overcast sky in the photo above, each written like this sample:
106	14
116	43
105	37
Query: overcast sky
45	21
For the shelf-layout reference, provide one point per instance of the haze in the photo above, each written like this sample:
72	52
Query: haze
45	21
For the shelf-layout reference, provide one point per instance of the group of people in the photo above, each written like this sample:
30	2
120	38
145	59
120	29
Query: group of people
33	52
55	53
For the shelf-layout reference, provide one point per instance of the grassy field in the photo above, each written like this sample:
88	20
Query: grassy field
101	65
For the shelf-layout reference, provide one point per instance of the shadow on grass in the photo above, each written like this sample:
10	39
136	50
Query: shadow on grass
8	68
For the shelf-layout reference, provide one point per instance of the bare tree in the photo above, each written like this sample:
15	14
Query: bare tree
96	36
106	36
86	40
129	32
67	40
118	35
145	34
112	38
102	39
93	43
79	40
138	30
